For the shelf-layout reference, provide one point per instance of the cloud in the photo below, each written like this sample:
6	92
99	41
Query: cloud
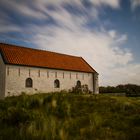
112	33
24	8
126	74
37	9
9	28
111	3
101	47
135	4
97	48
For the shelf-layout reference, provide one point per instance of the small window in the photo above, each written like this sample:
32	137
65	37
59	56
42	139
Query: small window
29	72
78	84
29	82
83	76
19	72
38	73
48	74
76	75
63	75
70	75
8	71
56	83
55	74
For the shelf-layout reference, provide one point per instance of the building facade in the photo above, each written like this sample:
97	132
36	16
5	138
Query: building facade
36	71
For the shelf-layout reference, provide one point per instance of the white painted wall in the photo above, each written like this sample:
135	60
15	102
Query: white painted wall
96	83
2	77
15	80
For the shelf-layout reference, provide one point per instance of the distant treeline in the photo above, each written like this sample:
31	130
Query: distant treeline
128	89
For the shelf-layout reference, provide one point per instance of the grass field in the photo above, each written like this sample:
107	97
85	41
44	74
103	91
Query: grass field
64	116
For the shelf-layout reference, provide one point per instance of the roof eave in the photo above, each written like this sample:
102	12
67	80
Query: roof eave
46	67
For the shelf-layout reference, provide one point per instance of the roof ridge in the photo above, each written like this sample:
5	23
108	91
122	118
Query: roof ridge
14	45
17	55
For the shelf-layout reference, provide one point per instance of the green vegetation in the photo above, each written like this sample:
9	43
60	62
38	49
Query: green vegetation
65	116
130	90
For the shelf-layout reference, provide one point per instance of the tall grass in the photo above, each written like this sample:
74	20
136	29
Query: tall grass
64	116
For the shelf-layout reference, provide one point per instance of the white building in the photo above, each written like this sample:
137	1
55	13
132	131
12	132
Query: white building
37	71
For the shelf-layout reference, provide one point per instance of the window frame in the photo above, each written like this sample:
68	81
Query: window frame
29	83
78	84
56	83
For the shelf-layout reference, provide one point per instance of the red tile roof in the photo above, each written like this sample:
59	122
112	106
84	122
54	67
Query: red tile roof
17	55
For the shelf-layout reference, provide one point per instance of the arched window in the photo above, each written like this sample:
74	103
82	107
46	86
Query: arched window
78	84
56	83
29	82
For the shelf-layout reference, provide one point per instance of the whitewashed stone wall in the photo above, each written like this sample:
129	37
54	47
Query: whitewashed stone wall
2	77
43	82
96	83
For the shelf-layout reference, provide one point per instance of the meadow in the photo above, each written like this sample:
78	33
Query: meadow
69	116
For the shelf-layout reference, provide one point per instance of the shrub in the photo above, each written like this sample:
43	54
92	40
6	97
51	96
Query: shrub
80	89
35	103
15	116
47	99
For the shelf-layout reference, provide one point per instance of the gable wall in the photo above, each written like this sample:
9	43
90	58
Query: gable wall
2	77
16	76
96	83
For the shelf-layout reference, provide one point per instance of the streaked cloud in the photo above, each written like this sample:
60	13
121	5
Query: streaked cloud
111	3
25	8
135	4
66	31
99	49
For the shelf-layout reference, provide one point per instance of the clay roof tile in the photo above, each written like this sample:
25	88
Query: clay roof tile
17	55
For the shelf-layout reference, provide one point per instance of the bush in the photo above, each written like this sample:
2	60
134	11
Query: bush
14	116
35	103
129	89
81	89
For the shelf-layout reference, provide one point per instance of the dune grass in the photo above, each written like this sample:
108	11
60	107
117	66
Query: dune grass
65	116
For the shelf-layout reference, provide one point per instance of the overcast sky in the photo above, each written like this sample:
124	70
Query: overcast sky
106	33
